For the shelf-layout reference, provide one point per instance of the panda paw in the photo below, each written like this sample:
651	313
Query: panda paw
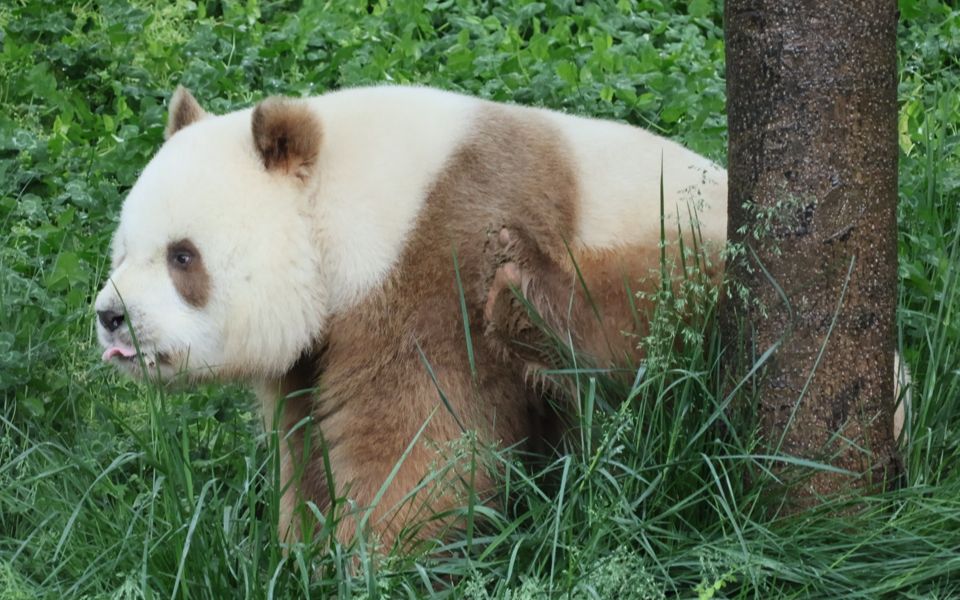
516	256
519	288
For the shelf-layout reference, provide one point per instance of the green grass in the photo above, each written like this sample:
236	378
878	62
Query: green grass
109	489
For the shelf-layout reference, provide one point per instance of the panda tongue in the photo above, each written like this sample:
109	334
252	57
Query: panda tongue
124	351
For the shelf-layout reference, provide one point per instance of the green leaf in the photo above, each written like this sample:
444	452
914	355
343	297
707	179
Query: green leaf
69	270
33	405
672	113
568	72
700	8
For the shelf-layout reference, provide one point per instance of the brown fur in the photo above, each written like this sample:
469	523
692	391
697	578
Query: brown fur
301	469
602	315
376	392
596	309
184	110
287	136
192	280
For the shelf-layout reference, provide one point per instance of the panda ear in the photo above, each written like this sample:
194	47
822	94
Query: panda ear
287	136
184	110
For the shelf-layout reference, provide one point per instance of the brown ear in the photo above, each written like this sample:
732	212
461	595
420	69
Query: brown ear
184	110
287	136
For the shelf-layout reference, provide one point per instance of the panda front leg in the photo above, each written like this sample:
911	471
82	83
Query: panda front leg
387	436
286	405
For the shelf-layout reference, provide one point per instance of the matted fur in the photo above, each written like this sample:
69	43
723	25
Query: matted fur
331	258
597	299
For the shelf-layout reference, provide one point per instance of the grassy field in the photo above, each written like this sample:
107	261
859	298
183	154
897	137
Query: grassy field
109	489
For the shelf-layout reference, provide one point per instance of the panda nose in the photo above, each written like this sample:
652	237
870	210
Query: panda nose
110	320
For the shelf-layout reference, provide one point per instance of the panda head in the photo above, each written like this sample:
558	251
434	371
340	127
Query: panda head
216	262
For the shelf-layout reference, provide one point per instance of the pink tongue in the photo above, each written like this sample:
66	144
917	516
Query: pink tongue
124	351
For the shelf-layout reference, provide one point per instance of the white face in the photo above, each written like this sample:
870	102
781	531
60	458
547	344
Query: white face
215	267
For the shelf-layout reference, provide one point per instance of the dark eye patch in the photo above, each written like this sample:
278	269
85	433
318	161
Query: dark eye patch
188	272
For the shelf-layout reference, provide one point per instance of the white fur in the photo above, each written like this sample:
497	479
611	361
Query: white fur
382	149
285	255
619	169
255	237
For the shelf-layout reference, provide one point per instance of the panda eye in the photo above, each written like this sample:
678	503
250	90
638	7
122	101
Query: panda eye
181	255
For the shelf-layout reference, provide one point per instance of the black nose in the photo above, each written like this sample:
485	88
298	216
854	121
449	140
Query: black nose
110	320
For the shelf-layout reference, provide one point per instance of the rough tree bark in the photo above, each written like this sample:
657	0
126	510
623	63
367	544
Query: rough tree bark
811	93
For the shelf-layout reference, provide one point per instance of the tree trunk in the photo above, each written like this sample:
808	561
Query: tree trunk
811	93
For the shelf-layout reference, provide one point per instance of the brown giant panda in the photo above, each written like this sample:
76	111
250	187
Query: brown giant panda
347	243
